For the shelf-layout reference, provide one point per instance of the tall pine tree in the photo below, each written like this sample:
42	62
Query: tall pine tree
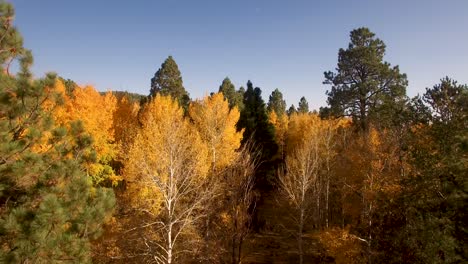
168	81
364	86
303	106
235	98
277	103
254	120
49	209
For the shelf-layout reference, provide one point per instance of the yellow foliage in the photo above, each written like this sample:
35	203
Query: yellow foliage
281	130
216	124
125	126
166	147
96	112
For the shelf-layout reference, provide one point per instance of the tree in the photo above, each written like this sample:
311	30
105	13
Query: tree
167	170
435	190
276	103
125	125
229	91
254	120
238	199
303	106
11	42
363	84
96	112
49	210
280	124
300	178
216	124
168	81
292	110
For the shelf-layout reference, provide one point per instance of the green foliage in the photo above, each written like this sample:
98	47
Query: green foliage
364	84
303	106
277	103
292	110
254	120
69	84
49	209
433	227
131	97
168	81
235	98
11	41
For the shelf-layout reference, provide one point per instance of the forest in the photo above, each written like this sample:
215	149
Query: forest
117	177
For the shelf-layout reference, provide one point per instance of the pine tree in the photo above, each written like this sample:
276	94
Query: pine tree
303	106
254	120
436	194
364	85
48	208
276	103
229	91
292	110
168	81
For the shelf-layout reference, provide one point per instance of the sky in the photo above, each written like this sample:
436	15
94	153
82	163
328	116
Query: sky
119	45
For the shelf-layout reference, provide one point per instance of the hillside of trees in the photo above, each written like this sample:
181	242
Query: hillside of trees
115	177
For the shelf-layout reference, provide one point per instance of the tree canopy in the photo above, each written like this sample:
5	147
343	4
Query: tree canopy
168	81
364	83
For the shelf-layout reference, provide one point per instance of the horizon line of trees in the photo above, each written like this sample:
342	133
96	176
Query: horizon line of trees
374	177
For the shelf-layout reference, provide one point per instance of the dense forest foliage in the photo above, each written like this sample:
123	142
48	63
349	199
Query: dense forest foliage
116	177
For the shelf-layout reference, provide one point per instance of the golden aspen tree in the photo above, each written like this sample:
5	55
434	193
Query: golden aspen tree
96	112
125	125
300	180
373	176
216	123
167	168
281	129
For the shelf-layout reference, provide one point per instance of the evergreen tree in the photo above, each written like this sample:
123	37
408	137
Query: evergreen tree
303	106
48	208
436	194
254	120
277	103
292	110
234	97
168	81
364	85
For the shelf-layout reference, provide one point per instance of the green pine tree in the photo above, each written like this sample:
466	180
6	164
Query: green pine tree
277	103
168	81
292	110
364	85
436	194
303	106
234	97
49	209
254	120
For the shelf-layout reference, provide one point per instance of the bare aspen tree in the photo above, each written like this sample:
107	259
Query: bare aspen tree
238	184
169	166
298	182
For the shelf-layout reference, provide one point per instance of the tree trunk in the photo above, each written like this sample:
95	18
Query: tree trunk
169	242
327	191
299	238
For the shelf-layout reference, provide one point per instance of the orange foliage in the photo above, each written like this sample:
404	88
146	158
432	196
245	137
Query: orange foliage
95	111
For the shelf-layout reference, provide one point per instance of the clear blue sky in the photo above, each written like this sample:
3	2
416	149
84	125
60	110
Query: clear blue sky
286	44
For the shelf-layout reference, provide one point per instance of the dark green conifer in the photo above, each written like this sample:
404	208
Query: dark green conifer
234	97
277	103
303	106
364	87
168	81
